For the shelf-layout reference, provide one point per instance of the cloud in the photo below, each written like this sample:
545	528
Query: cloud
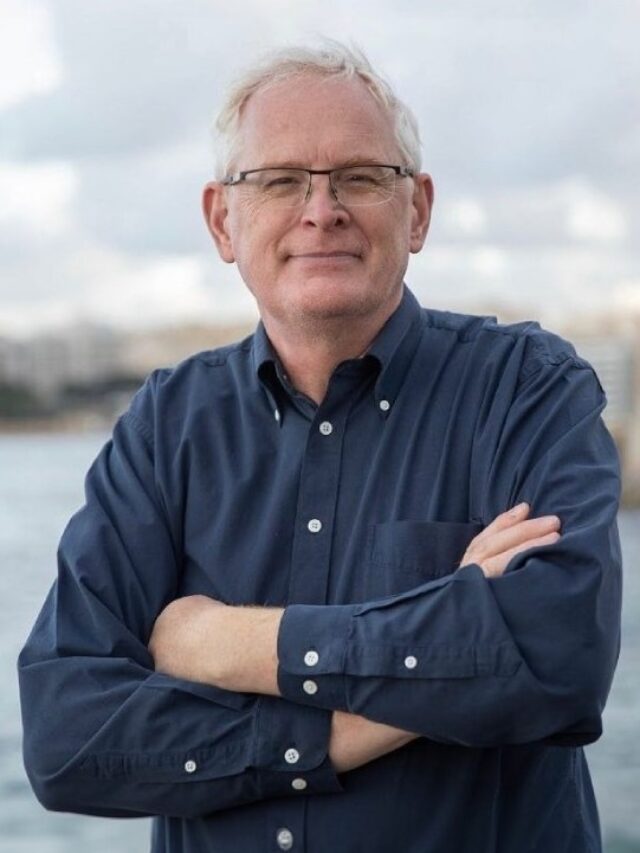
568	212
27	49
37	198
149	202
528	113
137	76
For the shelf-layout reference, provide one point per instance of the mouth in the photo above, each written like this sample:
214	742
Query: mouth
325	256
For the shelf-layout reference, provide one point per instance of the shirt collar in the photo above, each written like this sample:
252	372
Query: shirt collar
392	348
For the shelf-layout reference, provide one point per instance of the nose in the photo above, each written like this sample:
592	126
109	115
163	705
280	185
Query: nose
321	207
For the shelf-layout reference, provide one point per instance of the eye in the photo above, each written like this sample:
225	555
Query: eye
358	178
364	178
276	180
283	181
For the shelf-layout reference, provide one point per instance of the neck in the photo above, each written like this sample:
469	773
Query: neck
310	354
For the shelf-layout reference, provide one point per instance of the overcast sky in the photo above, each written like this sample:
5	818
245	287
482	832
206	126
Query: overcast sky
529	113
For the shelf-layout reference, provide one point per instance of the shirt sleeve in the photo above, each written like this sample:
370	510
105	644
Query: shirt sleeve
103	732
467	660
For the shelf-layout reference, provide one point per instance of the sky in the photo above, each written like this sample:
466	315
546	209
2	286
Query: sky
529	115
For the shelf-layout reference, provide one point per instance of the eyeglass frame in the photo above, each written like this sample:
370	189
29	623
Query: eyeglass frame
240	177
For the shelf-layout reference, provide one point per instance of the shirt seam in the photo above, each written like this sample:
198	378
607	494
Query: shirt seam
141	427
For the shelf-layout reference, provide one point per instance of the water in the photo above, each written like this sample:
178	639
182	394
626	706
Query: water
41	485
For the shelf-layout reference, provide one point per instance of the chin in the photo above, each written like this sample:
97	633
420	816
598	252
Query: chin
332	293
327	304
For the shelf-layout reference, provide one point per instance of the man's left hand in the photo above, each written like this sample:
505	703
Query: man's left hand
201	639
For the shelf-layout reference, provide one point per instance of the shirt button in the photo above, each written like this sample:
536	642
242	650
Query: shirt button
385	405
326	428
291	756
190	766
276	415
310	687
299	784
284	839
311	658
315	525
411	662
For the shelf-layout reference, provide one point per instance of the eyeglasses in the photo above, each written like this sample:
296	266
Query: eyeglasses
350	185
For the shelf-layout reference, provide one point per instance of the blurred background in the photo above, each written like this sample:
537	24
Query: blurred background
530	118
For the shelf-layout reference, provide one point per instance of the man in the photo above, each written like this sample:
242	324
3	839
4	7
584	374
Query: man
353	583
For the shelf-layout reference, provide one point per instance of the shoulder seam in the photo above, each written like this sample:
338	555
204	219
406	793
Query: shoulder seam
140	426
542	360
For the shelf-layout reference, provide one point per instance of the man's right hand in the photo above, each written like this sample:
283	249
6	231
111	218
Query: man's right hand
508	535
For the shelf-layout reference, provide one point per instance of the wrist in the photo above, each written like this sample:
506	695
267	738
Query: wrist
250	662
355	740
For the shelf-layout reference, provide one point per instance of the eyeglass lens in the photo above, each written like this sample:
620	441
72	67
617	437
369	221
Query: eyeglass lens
353	185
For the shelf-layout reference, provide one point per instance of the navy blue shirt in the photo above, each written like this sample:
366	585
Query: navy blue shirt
222	480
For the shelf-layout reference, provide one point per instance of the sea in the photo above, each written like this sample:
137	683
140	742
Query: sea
41	485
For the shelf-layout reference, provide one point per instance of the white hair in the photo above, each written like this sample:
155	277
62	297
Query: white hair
331	59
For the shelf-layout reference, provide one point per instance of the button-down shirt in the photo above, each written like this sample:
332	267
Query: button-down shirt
222	480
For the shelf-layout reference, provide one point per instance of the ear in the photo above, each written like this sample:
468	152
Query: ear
422	203
214	207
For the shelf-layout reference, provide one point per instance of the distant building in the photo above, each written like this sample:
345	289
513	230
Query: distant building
47	362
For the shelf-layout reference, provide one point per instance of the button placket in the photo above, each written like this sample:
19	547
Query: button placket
317	497
318	492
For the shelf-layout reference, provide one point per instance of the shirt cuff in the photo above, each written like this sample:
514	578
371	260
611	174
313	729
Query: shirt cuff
312	649
292	744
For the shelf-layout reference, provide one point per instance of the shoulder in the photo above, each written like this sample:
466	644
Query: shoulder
207	365
527	343
197	382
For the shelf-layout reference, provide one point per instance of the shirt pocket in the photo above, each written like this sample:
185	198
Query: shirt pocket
407	553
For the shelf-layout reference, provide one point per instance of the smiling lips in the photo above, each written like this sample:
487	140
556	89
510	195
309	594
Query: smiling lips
325	255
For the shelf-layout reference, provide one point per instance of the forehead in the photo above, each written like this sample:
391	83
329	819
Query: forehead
317	122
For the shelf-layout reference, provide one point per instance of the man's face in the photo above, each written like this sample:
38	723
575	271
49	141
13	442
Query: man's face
319	260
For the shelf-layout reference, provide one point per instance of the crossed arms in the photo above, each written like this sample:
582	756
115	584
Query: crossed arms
506	654
235	648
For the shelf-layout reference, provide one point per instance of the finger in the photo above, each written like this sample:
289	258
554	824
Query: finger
518	534
496	566
504	521
501	522
521	534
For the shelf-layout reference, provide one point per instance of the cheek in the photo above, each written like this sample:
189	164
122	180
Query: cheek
256	255
252	228
390	243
